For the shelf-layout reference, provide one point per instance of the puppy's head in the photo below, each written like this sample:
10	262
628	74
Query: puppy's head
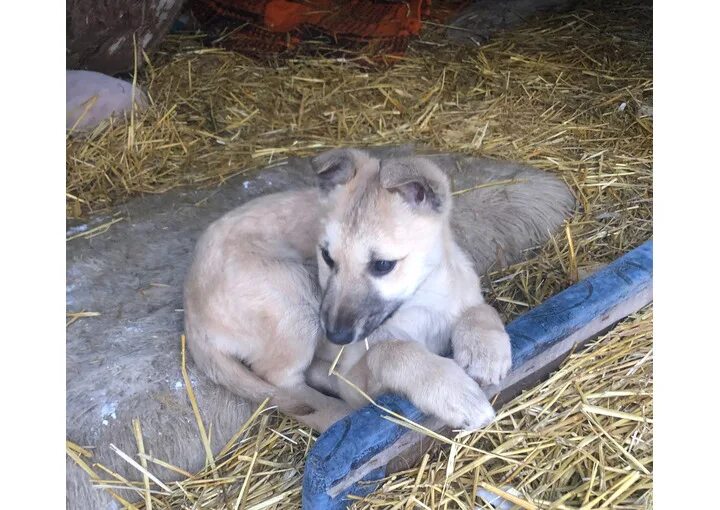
384	229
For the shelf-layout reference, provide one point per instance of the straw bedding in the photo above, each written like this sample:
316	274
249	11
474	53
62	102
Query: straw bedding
582	439
571	94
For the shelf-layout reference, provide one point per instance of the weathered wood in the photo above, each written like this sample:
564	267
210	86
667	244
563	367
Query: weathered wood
362	446
110	36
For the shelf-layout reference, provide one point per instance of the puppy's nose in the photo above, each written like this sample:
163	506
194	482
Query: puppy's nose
339	326
340	336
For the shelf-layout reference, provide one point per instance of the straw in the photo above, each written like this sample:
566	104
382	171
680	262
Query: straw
576	455
548	94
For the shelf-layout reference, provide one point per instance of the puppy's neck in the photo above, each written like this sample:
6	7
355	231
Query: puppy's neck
453	280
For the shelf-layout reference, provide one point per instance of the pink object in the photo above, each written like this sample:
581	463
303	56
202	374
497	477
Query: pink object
93	97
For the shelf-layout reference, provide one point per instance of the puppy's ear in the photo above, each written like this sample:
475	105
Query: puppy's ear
334	168
418	181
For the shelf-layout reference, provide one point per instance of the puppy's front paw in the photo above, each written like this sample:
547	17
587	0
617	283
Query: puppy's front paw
485	355
451	395
469	409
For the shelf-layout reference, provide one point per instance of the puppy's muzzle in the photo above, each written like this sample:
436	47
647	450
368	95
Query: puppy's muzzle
340	329
341	336
347	328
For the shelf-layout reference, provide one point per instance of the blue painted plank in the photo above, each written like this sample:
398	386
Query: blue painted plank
338	451
571	309
357	438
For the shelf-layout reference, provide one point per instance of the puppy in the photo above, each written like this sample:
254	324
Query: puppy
387	281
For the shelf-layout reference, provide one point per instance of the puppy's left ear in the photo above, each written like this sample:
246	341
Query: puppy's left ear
418	181
335	167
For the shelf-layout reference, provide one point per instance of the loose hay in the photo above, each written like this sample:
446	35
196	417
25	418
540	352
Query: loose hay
548	95
571	94
582	439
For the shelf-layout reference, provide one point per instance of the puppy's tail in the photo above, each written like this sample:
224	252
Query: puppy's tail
231	373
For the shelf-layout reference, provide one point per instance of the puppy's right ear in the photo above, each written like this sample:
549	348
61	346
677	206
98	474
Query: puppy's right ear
334	168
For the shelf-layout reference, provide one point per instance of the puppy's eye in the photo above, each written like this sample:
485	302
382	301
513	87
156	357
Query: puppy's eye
382	267
326	257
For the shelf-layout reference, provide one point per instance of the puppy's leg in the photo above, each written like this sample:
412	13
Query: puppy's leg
317	376
324	414
285	369
310	406
436	385
285	387
481	346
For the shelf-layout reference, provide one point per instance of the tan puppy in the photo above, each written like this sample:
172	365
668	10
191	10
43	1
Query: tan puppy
389	271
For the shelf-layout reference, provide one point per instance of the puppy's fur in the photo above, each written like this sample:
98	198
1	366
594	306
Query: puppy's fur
251	304
258	322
